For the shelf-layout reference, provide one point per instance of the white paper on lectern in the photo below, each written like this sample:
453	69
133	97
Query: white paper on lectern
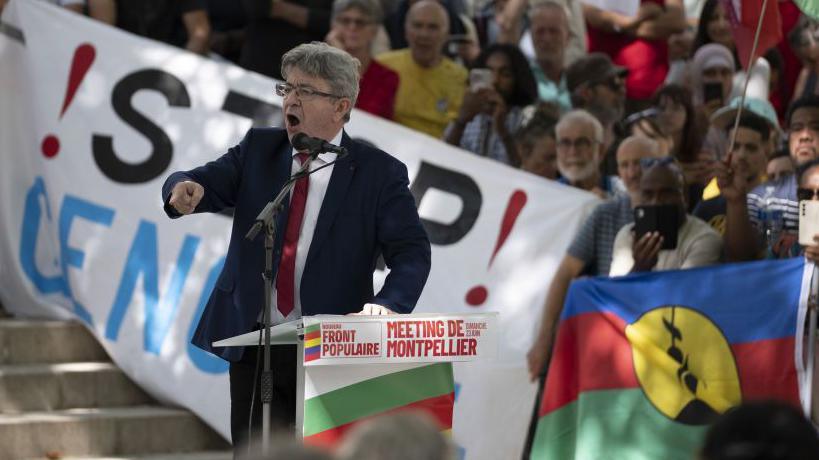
626	7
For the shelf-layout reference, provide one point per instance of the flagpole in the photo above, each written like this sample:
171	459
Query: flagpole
747	80
813	298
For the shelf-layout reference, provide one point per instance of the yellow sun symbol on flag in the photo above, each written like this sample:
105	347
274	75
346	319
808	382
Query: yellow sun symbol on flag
684	364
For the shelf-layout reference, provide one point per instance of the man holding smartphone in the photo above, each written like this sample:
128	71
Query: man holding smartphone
663	237
590	251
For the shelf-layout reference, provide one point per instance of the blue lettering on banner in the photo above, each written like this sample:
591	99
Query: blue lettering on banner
143	261
72	207
32	216
75	207
204	361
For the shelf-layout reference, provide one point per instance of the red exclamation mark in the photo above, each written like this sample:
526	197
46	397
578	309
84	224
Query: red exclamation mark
478	294
83	58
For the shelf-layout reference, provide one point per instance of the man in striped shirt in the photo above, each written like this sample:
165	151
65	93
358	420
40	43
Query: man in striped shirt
764	221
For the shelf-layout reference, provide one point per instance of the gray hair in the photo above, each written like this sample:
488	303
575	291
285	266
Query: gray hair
536	8
337	67
581	116
370	8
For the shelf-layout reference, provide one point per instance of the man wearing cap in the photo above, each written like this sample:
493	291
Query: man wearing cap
598	86
549	25
750	233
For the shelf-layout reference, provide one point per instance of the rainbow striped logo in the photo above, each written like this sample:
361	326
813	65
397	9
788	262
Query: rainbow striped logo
312	343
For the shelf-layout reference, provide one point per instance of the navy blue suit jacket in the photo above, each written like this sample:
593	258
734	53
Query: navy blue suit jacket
368	211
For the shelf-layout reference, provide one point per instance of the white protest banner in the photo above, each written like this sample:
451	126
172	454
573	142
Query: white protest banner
93	119
419	338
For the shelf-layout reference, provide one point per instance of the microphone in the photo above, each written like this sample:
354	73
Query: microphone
315	145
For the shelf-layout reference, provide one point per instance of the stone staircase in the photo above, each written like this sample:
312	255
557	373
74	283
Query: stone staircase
61	397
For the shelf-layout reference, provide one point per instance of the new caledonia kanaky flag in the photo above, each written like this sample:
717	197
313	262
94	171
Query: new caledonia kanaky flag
643	363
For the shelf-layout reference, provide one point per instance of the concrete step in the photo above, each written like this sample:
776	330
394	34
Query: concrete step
209	455
128	431
49	387
37	341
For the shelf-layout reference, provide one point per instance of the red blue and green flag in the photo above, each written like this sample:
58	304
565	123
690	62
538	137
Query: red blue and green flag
642	364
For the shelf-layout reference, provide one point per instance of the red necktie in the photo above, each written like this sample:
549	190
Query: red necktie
285	279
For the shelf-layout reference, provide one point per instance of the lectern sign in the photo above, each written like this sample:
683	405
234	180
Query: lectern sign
399	338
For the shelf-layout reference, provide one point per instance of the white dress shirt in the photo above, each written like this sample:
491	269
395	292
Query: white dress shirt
315	197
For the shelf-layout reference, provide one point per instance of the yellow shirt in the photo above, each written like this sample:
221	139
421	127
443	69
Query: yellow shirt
427	99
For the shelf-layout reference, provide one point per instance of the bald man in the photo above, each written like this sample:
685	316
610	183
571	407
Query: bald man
591	251
431	85
697	244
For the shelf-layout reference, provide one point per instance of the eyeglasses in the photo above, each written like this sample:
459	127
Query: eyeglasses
581	143
807	194
357	22
301	92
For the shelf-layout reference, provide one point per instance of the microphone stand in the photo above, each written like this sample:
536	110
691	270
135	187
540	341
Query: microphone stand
267	220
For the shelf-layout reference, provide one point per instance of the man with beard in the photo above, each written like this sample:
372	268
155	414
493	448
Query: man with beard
579	137
590	251
598	86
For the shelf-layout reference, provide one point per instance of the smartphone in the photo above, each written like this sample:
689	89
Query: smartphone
808	222
712	92
663	218
480	78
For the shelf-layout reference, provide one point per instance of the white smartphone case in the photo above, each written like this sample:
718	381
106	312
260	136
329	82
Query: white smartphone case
808	222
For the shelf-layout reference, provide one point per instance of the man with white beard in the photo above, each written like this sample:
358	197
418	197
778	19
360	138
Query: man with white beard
580	148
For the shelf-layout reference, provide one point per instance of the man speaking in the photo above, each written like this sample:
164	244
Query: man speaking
340	218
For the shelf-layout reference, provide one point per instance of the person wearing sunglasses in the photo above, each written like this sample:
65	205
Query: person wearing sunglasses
598	86
763	222
354	27
808	190
340	219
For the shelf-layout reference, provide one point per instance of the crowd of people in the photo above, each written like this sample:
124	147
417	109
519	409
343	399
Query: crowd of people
639	110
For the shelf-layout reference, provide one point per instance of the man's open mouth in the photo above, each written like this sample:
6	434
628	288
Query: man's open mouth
292	120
